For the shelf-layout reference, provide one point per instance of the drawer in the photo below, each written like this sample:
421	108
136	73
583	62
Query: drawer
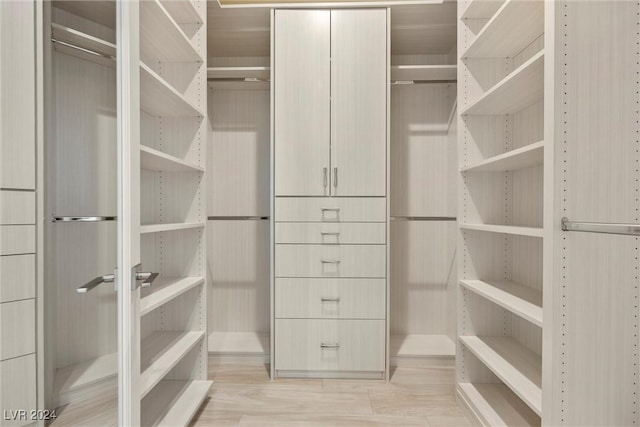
17	277
17	328
334	209
331	261
373	233
17	207
330	298
17	239
330	345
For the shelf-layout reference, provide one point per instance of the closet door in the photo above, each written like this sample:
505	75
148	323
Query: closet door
358	102
302	90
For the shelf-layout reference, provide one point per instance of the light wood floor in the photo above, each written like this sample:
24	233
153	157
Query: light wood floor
243	395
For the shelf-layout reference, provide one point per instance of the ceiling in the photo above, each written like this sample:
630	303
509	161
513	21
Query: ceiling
415	29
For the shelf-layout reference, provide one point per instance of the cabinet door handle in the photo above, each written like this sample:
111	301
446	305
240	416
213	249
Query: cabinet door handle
330	345
335	177
324	179
330	233
330	299
330	209
327	261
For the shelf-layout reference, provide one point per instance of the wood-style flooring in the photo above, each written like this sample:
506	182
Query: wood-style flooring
243	395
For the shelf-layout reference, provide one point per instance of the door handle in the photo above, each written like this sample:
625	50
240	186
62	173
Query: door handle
324	179
109	278
147	278
330	233
330	299
329	345
335	177
326	261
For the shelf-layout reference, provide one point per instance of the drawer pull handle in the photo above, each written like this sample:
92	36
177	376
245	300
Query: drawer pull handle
330	209
327	261
330	299
329	345
330	233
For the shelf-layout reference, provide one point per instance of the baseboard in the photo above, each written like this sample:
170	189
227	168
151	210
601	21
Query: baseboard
360	375
423	361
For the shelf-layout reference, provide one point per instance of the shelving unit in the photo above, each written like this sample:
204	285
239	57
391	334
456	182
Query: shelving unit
154	160
501	152
173	402
424	72
159	98
165	289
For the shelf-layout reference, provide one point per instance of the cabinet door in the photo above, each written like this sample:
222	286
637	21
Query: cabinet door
302	108
358	102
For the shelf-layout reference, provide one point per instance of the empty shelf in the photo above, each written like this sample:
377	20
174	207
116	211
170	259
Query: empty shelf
523	21
164	289
518	299
157	228
517	366
239	343
162	351
496	405
505	229
239	73
161	39
80	39
423	72
174	402
415	345
159	98
183	12
152	159
520	158
481	9
521	88
79	375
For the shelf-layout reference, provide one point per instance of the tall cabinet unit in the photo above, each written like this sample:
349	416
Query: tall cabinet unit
330	215
500	210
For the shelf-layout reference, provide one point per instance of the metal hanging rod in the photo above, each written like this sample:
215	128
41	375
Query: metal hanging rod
237	79
420	82
83	49
83	218
424	218
601	227
238	218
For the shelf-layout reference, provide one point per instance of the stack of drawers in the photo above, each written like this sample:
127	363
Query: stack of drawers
330	285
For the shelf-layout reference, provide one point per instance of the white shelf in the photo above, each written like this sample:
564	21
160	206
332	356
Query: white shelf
239	72
481	9
245	343
521	88
174	402
162	351
83	374
512	28
157	228
518	299
80	39
161	39
505	229
183	12
423	72
496	405
518	367
521	158
159	98
164	289
415	345
152	159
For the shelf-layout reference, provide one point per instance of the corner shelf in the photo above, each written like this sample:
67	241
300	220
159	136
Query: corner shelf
520	158
505	229
518	299
424	72
165	289
162	351
183	12
157	228
174	402
523	87
161	39
155	160
481	9
522	21
496	405
518	367
159	98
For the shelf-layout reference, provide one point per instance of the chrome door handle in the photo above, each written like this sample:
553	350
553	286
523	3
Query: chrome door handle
109	278
324	179
147	277
330	299
329	345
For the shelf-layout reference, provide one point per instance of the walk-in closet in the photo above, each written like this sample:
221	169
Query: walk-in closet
258	213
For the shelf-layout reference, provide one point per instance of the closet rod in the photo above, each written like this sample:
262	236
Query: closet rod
600	227
83	49
420	82
424	218
83	218
238	79
238	218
